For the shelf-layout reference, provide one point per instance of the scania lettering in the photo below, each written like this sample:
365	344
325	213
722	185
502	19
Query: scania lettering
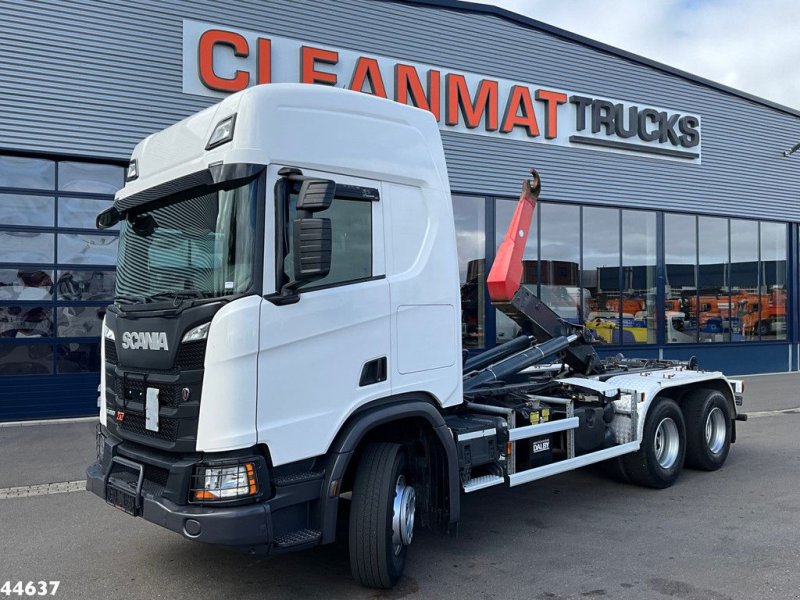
291	252
141	340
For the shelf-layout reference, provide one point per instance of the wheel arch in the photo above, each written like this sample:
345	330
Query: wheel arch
412	419
680	394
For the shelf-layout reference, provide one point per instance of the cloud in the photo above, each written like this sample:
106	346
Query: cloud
748	45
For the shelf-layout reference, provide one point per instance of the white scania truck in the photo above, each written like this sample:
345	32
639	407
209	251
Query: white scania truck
284	349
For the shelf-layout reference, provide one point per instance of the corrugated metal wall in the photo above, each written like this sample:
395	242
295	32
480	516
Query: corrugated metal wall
93	77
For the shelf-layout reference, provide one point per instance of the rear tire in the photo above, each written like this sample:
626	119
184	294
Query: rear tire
381	516
708	429
660	458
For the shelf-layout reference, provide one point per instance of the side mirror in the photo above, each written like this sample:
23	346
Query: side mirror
108	218
311	249
316	194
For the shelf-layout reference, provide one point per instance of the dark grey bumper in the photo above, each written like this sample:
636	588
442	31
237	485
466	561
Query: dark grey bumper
247	528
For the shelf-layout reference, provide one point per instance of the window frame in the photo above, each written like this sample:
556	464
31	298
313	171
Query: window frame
284	188
55	266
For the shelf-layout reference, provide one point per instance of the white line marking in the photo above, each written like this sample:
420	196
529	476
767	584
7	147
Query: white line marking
44	489
49	422
772	413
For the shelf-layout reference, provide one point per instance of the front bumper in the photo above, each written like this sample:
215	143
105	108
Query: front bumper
247	528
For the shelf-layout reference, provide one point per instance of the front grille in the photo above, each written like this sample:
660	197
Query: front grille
135	424
111	352
135	390
191	355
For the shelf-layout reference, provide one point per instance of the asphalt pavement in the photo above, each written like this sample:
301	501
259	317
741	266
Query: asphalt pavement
732	534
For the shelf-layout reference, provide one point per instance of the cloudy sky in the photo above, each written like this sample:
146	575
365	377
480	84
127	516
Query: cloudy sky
750	45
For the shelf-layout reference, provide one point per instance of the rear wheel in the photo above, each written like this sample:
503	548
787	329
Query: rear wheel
708	429
381	516
660	458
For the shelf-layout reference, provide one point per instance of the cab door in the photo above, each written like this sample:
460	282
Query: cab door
325	355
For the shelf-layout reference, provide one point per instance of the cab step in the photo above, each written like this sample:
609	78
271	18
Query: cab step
484	481
301	537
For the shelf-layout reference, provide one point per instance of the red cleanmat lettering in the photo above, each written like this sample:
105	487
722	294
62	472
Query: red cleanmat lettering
552	100
519	111
309	57
368	71
205	60
484	103
407	85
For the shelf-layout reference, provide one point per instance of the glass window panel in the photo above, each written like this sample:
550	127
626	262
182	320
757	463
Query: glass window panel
33	211
26	284
26	321
89	177
86	249
560	248
744	280
714	309
507	329
78	357
773	324
351	241
26	359
680	254
639	274
85	285
601	263
81	212
30	173
26	247
79	321
470	219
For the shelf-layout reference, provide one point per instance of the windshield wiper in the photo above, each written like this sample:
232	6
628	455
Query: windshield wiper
130	299
179	295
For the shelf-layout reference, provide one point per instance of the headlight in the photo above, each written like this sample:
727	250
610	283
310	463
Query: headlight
197	333
224	481
108	333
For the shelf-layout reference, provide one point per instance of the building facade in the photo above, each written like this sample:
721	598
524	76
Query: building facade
668	222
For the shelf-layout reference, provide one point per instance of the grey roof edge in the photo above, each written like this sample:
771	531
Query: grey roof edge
503	13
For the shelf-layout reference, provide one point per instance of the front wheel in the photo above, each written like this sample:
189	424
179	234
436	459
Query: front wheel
708	429
659	461
381	516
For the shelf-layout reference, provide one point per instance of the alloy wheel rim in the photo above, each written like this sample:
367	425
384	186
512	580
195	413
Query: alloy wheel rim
403	512
667	443
716	430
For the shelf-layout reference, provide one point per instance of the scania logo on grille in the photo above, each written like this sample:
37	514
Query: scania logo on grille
144	340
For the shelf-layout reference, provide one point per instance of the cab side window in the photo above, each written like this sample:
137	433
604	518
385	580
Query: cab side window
351	252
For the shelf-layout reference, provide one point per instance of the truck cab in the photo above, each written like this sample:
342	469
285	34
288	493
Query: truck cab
284	349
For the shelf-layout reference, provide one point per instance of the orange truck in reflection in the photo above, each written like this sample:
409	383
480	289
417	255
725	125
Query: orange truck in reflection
770	320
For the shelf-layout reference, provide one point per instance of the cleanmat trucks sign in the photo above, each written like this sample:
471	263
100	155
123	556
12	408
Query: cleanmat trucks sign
218	60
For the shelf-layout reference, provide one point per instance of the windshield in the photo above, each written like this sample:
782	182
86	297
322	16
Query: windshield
201	247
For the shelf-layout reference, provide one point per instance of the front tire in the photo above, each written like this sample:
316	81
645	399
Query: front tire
381	516
708	429
660	458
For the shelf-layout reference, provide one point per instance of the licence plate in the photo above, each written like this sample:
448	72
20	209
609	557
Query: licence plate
121	499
